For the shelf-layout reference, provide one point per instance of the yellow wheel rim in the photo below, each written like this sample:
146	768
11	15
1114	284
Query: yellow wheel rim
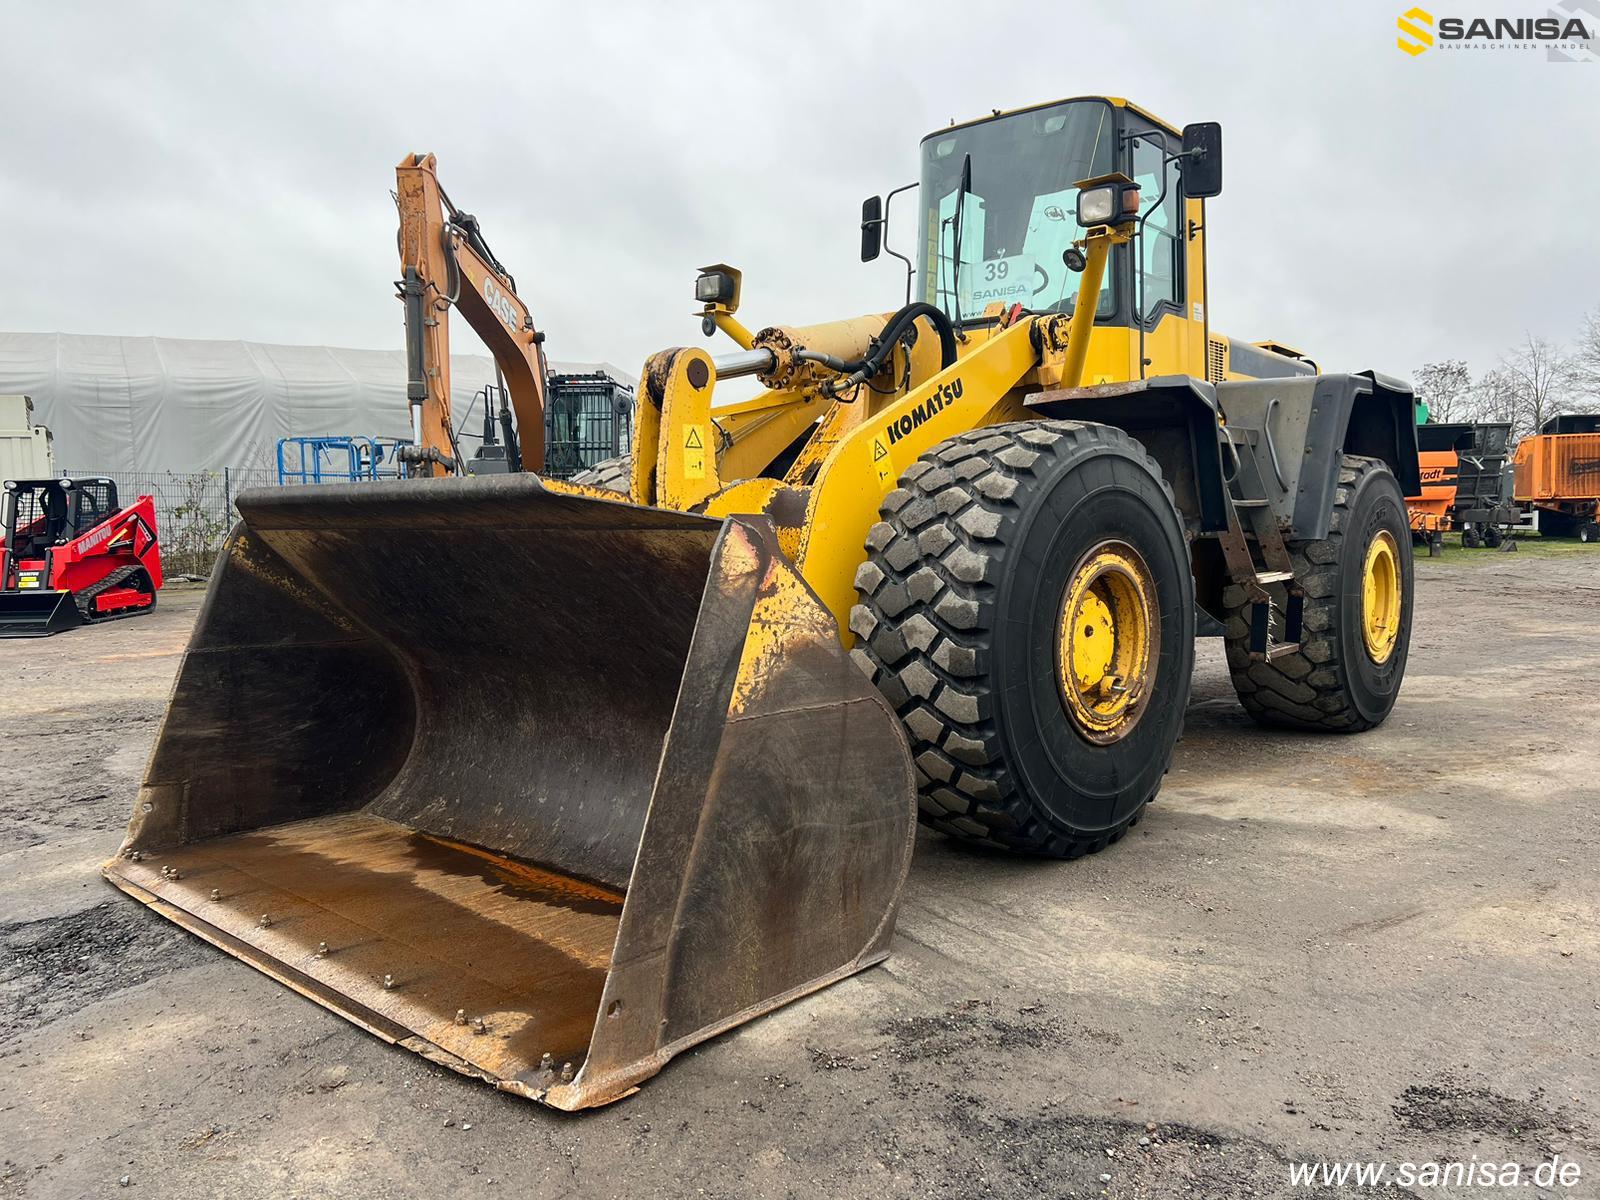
1380	597
1105	642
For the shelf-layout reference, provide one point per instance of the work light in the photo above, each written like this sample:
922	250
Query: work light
714	287
1108	204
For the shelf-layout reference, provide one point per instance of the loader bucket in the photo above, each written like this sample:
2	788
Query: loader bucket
37	613
544	787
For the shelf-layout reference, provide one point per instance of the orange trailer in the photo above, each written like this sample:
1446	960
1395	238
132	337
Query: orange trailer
1429	512
1558	473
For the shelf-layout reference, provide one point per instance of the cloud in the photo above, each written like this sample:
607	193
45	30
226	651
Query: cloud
223	171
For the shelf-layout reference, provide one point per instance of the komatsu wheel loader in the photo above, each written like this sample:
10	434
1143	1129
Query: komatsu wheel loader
550	781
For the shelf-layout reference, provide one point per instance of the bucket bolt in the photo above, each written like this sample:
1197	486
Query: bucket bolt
461	1016
265	922
480	1026
216	893
388	982
566	1072
322	949
547	1062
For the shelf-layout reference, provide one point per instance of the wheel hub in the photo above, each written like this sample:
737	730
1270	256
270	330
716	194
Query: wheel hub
1105	641
1380	597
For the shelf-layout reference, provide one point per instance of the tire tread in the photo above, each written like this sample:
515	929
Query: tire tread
1307	689
928	598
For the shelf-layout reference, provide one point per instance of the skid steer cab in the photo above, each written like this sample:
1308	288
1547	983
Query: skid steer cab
71	554
551	780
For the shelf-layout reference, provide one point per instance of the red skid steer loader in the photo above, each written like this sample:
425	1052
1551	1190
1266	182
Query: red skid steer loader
70	554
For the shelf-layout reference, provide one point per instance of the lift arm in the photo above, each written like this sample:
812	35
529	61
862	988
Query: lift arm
445	261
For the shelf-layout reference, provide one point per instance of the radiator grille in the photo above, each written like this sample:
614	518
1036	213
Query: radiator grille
1216	360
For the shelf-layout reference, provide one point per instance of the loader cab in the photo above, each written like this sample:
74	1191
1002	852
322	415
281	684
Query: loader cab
997	223
40	514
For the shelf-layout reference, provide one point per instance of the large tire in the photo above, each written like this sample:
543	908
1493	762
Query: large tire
963	603
613	474
1333	682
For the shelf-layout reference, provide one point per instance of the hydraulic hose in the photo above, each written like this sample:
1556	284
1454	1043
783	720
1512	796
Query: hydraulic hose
761	358
903	320
868	365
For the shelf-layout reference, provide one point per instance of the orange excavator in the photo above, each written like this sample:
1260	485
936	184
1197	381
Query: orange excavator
446	263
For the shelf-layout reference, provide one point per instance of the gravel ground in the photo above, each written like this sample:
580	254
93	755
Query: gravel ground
1378	947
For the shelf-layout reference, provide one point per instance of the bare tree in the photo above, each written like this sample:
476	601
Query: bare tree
1586	356
1493	398
1540	374
1445	388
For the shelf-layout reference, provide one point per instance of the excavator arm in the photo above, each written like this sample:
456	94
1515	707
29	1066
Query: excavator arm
445	261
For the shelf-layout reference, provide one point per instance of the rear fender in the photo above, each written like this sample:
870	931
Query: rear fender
1313	422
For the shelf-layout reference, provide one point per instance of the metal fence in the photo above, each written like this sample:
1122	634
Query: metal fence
194	509
590	419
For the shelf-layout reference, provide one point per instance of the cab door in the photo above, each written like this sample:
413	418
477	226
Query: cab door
1161	301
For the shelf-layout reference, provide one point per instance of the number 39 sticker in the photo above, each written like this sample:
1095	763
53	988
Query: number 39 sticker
1009	280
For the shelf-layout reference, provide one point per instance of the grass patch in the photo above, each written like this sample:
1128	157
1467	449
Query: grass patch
1527	544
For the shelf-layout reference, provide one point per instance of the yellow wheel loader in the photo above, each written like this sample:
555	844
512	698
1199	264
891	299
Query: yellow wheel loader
549	781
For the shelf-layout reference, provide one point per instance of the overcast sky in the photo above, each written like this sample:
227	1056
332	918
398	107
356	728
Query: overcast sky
223	170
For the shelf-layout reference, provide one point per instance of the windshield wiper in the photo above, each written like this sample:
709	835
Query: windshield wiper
954	222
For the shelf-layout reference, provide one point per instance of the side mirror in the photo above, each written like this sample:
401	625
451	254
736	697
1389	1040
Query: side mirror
1202	161
871	228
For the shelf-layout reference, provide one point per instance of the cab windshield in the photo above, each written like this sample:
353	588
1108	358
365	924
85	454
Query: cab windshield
1020	214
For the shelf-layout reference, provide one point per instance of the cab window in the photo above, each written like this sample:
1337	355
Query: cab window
1160	252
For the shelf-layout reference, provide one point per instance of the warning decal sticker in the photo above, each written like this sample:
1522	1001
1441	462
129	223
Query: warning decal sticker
694	453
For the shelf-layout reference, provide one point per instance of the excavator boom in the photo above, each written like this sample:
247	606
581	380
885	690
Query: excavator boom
445	262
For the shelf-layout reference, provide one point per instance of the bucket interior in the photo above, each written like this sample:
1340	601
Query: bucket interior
409	754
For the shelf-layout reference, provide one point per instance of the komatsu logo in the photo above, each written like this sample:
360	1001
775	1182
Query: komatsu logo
925	411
